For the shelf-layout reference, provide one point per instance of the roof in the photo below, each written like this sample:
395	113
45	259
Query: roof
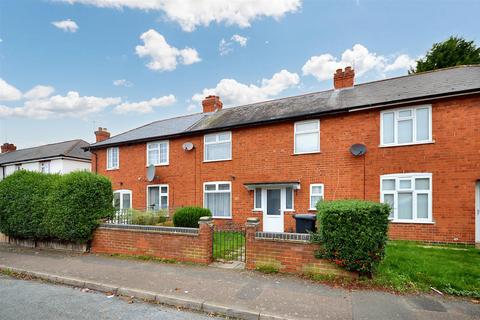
427	85
68	149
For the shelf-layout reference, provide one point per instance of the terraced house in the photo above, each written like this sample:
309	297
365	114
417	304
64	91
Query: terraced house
419	151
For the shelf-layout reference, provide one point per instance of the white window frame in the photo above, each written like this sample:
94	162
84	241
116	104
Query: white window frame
160	195
109	165
256	207
217	134
403	177
122	192
263	193
303	132
157	144
217	183
284	191
315	194
396	119
44	165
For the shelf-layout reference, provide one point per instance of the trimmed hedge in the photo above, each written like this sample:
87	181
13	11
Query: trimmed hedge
353	233
188	217
40	206
148	218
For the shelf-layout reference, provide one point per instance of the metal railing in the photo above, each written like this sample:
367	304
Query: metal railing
229	243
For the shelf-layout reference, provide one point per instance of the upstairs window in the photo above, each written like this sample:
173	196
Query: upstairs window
157	153
218	146
406	126
217	198
409	195
44	167
113	158
307	137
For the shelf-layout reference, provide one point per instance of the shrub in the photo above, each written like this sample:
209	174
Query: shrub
77	203
40	206
148	218
24	204
353	233
188	217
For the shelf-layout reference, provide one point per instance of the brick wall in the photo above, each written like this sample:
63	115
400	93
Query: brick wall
164	243
286	255
265	154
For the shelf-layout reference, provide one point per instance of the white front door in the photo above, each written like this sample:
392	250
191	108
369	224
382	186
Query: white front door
477	214
273	212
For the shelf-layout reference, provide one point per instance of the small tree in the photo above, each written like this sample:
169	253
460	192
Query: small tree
454	51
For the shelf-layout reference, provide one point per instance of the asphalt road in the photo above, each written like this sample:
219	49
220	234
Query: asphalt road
30	300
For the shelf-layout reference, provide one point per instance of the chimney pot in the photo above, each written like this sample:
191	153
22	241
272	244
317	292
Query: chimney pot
212	103
8	147
344	79
101	134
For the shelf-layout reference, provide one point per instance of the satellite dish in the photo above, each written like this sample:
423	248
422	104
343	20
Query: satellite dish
358	149
150	173
187	146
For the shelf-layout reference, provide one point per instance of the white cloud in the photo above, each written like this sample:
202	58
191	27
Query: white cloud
233	92
8	92
122	83
72	105
145	106
242	41
39	92
190	14
323	66
225	47
192	107
66	25
164	57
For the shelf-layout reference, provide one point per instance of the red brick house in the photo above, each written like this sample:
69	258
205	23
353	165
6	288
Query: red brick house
276	158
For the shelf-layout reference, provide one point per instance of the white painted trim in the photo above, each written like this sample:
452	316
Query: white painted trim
168	152
219	191
122	192
147	206
413	191
216	142
310	131
413	117
310	196
108	157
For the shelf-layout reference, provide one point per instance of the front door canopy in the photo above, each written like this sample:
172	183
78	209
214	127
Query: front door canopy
295	185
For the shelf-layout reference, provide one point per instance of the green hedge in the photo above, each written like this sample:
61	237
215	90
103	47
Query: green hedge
40	206
188	217
353	233
148	218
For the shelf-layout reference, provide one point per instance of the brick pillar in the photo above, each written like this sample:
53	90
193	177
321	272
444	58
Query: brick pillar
205	236
251	228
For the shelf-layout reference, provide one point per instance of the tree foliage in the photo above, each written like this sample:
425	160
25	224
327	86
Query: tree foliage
454	51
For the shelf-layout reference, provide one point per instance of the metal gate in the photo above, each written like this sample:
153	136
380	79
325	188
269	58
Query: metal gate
229	243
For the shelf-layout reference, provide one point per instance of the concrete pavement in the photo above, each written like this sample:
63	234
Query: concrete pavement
257	294
36	300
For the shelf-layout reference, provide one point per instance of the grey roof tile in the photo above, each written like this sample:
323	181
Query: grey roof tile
376	93
72	148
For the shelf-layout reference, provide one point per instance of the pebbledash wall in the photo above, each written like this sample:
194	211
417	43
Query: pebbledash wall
265	153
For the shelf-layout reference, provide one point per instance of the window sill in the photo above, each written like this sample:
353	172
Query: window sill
222	218
411	221
405	144
112	169
257	210
206	161
159	165
304	153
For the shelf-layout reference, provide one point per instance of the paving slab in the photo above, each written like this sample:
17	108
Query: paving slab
269	296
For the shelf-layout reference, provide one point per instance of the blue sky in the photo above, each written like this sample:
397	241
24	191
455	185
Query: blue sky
163	58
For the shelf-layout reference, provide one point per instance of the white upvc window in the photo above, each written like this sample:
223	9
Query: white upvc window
257	200
409	195
217	196
158	153
406	126
113	158
316	195
122	199
218	146
44	166
307	137
157	197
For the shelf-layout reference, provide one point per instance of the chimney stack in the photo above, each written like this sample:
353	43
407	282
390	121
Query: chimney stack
8	147
344	79
102	134
212	104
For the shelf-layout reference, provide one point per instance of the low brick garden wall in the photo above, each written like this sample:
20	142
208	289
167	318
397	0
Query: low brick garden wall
286	252
179	244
